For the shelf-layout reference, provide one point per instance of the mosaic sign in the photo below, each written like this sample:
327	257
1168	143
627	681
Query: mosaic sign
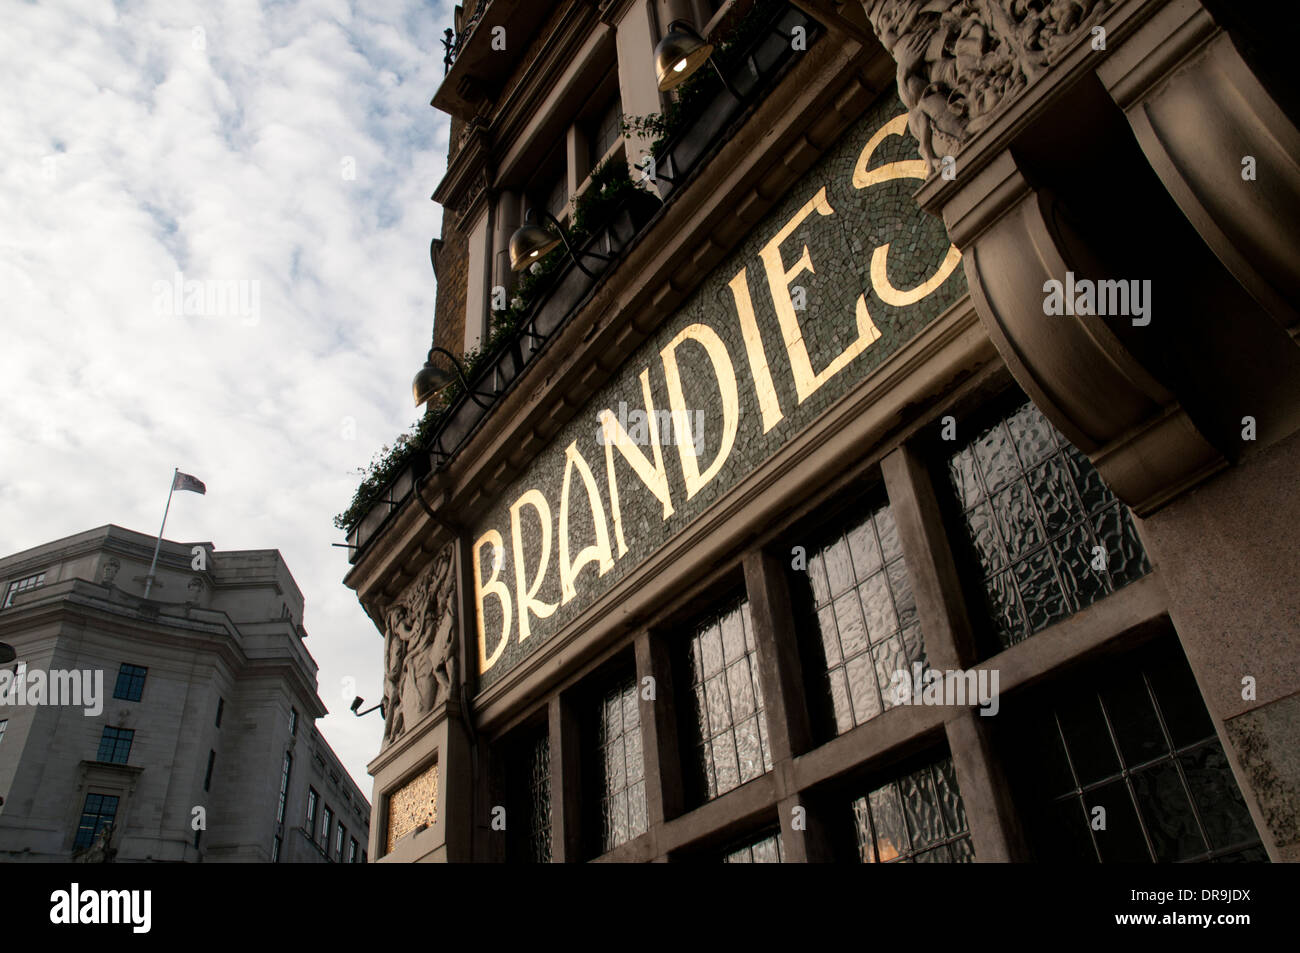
842	272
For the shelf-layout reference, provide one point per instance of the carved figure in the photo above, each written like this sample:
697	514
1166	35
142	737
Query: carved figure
420	647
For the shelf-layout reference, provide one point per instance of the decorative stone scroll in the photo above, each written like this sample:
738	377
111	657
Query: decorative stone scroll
420	647
960	61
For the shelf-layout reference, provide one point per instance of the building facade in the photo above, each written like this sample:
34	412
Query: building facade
895	463
176	728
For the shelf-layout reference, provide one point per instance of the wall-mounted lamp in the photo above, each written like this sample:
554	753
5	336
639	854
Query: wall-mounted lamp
7	653
531	242
357	703
432	379
681	53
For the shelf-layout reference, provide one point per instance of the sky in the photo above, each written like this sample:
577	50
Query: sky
278	156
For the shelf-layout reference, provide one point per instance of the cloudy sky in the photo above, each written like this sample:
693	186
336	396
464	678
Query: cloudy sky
286	145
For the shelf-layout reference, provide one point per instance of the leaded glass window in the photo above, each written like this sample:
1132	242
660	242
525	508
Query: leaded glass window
1044	533
115	745
130	682
620	765
529	813
1126	767
916	818
98	813
729	723
858	618
765	849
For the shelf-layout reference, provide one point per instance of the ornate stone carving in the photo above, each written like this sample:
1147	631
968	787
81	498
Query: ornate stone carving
420	647
960	61
110	570
101	850
413	807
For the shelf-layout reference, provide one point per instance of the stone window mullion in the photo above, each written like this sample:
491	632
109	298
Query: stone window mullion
663	759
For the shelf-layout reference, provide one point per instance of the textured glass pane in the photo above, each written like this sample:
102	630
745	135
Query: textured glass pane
864	549
766	851
1133	718
724	763
1004	607
1121	841
1053	491
961	471
636	810
748	751
878	607
741	687
1044	601
619	761
862	827
949	795
1092	490
890	658
904	600
848	618
1072	551
890	547
963	851
839	692
1087	739
921	808
996	458
984	538
839	569
891	829
635	759
1223	812
937	855
711	649
817	579
1032	435
1017	519
1125	558
827	629
1167	813
715	693
862	688
733	637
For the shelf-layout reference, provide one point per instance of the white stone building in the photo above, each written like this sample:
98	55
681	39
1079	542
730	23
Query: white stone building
140	712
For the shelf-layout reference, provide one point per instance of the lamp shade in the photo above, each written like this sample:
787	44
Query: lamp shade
679	54
529	243
429	381
7	653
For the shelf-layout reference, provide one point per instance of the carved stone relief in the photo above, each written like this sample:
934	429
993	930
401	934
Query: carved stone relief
420	633
960	61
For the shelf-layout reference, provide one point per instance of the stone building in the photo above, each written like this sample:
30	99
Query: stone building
200	697
985	546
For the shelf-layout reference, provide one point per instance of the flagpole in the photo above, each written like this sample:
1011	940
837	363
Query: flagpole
148	582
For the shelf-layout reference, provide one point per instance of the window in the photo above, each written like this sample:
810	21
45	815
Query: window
98	812
857	616
1044	534
284	786
353	849
275	850
528	783
340	833
1130	743
313	799
727	724
207	778
293	722
603	130
4	723
221	708
326	828
130	682
115	745
22	585
916	818
619	767
766	849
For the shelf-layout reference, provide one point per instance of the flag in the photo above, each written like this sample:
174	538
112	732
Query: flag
184	481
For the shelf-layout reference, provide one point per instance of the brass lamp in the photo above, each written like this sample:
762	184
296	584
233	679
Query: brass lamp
433	379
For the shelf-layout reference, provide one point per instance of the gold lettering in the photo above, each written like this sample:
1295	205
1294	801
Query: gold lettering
526	595
768	404
806	380
725	373
907	169
654	477
494	587
598	552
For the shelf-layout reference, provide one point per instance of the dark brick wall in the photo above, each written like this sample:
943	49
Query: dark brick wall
451	264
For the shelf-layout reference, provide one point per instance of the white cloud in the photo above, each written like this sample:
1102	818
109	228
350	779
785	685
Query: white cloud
145	139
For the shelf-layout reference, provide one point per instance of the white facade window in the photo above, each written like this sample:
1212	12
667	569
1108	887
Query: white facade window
22	585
